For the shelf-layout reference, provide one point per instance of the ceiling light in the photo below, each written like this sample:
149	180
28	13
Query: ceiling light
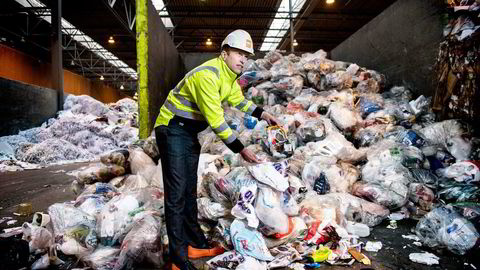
330	1
72	63
209	42
121	87
102	78
295	42
111	40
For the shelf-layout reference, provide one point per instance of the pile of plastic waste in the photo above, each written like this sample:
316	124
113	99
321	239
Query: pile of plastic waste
85	129
347	155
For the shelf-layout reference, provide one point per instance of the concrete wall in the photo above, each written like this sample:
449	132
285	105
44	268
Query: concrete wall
24	106
193	60
402	43
165	66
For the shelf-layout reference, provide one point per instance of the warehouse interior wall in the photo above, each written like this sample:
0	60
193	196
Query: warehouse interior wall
26	97
24	68
402	43
165	65
193	60
24	106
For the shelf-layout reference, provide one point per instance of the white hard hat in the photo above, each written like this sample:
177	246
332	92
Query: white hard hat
239	39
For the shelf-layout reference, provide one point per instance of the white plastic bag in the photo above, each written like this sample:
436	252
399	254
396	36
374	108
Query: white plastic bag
249	242
270	213
271	174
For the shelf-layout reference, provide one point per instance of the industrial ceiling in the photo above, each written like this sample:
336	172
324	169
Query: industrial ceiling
316	24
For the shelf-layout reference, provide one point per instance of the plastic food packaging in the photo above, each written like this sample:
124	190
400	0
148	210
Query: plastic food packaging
277	142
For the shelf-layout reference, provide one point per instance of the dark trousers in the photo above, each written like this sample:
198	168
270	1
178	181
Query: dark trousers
179	152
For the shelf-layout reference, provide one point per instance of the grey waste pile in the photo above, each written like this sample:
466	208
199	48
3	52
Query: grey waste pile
85	129
348	155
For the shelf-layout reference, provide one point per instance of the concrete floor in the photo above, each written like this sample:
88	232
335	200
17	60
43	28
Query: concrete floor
49	185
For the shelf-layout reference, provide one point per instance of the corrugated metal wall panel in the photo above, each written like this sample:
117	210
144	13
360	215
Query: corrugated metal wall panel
18	66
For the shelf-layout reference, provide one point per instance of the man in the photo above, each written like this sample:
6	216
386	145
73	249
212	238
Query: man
192	106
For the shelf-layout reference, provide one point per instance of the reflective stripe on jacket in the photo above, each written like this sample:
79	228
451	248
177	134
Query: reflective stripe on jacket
199	96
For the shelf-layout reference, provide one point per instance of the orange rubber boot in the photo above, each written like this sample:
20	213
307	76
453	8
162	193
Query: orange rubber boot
197	253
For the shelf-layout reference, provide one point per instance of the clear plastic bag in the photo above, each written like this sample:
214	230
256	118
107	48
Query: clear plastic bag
142	243
253	77
210	210
464	171
98	173
444	227
118	215
311	131
277	142
392	198
39	238
91	204
117	157
425	177
73	229
139	161
421	195
221	233
343	118
102	258
438	133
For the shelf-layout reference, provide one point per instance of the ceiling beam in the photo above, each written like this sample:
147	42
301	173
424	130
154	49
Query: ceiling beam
298	24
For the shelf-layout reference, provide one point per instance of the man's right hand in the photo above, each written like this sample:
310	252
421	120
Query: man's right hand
249	156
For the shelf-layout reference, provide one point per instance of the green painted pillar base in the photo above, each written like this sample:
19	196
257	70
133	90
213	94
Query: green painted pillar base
142	67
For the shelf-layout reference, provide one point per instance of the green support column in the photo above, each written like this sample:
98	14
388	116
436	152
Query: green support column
142	67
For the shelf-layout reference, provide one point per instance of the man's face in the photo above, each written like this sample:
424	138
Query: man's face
235	59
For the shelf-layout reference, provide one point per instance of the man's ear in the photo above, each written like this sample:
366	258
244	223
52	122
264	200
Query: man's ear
224	54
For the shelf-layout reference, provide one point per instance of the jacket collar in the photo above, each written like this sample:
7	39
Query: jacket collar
226	70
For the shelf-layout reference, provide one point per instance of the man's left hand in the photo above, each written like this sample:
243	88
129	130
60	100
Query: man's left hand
271	120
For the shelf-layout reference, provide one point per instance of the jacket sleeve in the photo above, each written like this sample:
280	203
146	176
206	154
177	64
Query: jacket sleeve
237	100
207	98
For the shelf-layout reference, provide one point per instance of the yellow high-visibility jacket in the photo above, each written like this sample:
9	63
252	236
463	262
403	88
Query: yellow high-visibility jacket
199	96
